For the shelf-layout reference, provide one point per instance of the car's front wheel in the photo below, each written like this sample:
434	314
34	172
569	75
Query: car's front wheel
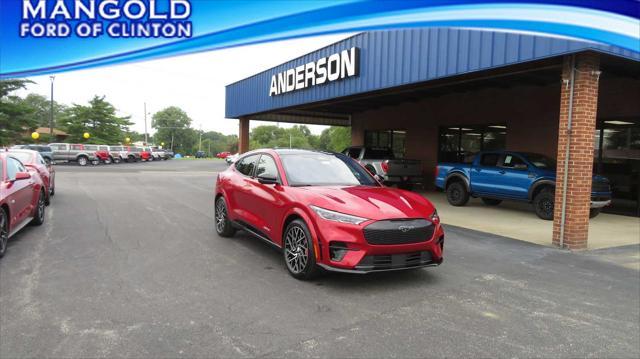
298	251
4	232
108	161
223	224
38	218
82	160
543	204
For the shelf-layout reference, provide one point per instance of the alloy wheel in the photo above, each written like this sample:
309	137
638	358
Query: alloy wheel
221	215
296	249
41	204
82	161
546	206
4	231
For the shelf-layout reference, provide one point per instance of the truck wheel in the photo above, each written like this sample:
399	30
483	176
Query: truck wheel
108	161
593	212
543	204
491	201
82	161
457	194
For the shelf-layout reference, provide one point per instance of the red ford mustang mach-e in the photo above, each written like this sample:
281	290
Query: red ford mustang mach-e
325	211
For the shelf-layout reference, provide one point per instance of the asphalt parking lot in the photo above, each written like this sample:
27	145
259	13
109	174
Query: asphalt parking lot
128	265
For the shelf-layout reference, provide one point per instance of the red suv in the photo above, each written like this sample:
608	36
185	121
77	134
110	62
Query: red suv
325	211
145	154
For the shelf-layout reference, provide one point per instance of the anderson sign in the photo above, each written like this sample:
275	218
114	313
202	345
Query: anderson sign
327	69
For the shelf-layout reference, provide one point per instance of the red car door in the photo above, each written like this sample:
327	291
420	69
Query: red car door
21	197
240	198
267	199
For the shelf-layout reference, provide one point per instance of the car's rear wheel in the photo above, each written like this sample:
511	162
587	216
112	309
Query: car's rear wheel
4	232
223	224
491	201
543	204
457	194
593	212
298	251
38	218
82	160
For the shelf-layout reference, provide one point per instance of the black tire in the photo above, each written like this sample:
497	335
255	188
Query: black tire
298	251
52	190
223	225
132	159
594	212
543	204
457	194
4	231
38	218
491	201
83	160
108	161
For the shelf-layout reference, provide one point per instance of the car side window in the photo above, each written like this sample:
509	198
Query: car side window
267	167
489	159
513	162
246	164
76	147
12	168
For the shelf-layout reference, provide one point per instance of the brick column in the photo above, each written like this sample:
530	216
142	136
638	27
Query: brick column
243	135
585	101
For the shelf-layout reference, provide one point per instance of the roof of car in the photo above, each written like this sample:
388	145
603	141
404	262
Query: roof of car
293	151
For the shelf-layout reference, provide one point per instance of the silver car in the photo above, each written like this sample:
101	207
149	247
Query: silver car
66	152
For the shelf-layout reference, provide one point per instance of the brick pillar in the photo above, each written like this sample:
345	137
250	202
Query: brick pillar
243	135
585	101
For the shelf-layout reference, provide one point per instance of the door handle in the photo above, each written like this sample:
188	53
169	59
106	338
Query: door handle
478	169
501	172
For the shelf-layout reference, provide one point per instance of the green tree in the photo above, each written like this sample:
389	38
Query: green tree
335	138
172	123
99	119
15	115
42	109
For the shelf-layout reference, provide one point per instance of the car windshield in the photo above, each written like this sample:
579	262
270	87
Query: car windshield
324	169
24	157
541	161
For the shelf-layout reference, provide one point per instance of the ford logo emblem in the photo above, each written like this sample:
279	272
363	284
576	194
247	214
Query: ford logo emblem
405	229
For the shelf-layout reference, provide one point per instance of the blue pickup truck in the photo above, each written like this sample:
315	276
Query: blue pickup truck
495	176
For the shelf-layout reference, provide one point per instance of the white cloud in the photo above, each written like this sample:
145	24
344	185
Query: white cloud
194	82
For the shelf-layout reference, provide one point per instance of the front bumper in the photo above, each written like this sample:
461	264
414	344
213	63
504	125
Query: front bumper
599	200
360	256
600	204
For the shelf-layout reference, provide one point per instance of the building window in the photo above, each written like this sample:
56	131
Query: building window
460	143
617	157
394	139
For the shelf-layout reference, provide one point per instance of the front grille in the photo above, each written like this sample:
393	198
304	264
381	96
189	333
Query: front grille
600	187
399	231
395	261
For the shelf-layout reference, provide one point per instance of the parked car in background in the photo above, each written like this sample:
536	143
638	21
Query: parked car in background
168	154
22	198
131	153
45	151
331	213
224	154
380	161
231	158
32	160
495	176
157	153
73	153
201	154
103	154
145	154
117	153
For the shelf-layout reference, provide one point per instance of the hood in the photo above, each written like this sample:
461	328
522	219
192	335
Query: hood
369	202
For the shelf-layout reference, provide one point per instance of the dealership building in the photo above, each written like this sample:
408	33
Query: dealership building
442	94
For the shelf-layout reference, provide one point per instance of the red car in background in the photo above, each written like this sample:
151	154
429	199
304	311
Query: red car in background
22	198
34	162
223	154
145	154
104	155
324	211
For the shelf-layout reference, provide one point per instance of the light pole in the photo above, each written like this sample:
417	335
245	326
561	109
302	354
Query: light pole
51	114
200	143
145	124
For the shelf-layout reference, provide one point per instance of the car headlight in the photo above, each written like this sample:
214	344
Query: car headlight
434	217
337	216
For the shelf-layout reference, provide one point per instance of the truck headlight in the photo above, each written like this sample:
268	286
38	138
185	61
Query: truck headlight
337	216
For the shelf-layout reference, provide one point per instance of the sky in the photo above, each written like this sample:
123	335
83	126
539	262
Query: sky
194	82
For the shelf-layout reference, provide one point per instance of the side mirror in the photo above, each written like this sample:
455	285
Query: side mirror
22	176
267	178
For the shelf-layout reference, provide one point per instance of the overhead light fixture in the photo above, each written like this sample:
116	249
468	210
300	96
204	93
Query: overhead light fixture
498	126
458	128
473	134
618	123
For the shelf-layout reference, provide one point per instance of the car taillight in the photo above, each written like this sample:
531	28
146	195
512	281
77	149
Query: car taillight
385	166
